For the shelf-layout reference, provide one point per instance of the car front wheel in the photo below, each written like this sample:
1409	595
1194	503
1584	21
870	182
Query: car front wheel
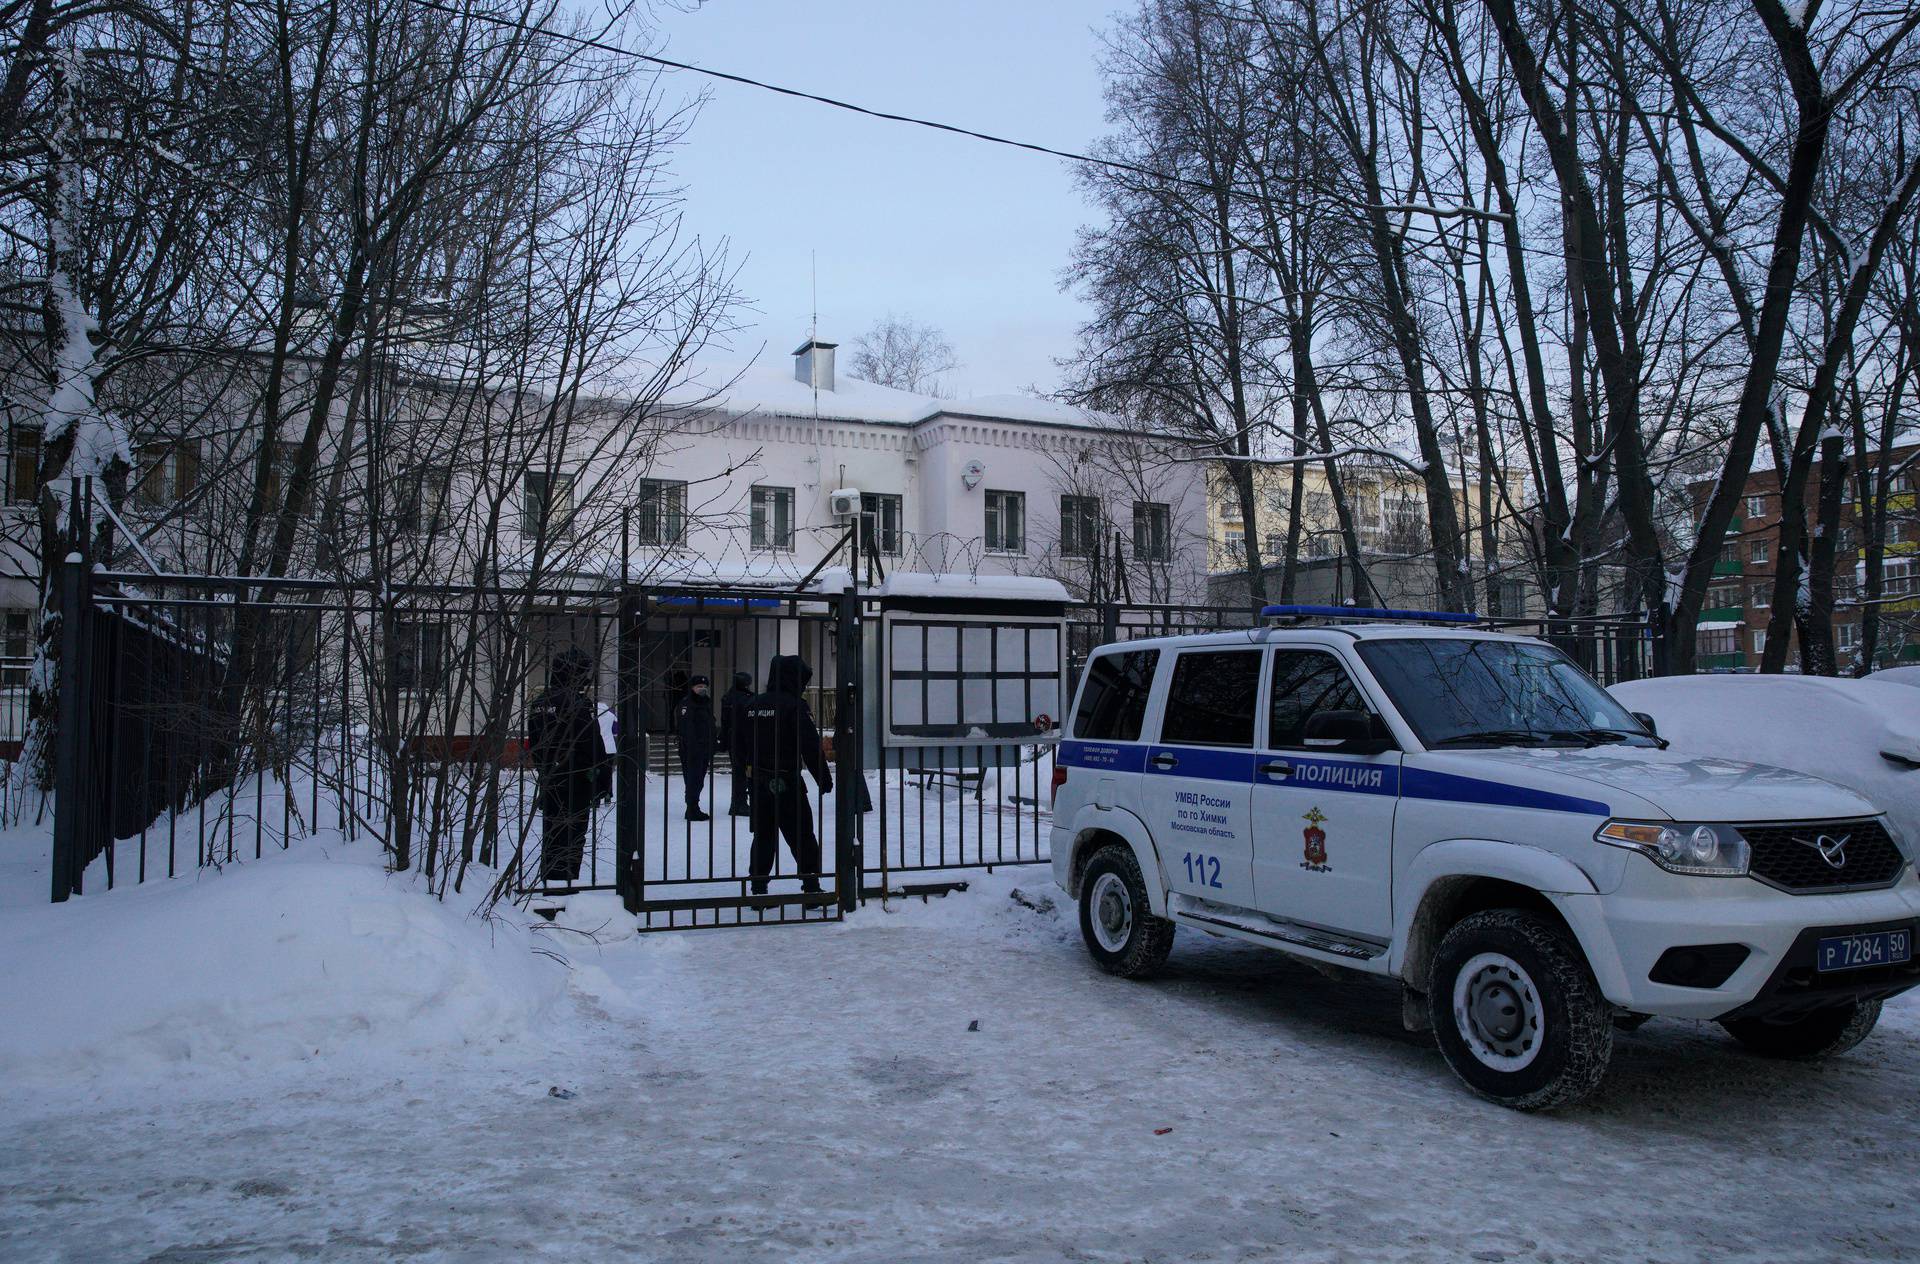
1517	1013
1818	1035
1122	934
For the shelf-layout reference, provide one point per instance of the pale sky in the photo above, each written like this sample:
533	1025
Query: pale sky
954	232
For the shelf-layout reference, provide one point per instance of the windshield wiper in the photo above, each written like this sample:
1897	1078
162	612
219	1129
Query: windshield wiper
1602	737
1498	737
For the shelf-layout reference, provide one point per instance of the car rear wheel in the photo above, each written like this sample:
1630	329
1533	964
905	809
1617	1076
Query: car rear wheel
1123	936
1516	1012
1818	1035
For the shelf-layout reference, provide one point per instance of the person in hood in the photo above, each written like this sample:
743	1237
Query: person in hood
571	761
733	706
693	729
777	741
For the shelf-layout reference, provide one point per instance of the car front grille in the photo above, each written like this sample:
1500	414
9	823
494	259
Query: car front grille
1790	856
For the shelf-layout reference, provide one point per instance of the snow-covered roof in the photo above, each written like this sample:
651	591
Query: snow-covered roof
768	388
988	587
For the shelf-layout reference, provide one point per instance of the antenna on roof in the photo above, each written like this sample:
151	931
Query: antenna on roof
813	323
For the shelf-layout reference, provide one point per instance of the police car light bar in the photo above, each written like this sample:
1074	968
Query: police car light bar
1352	613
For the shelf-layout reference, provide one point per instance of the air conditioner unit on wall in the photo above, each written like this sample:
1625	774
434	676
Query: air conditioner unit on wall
845	502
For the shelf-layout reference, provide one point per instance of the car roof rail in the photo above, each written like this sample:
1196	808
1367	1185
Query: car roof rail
1363	614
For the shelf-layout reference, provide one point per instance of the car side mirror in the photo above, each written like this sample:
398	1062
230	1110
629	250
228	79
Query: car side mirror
1348	732
1647	721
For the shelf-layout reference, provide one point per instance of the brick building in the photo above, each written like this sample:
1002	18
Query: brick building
1736	619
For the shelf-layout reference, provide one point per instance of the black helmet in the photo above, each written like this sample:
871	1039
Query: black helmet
743	680
697	680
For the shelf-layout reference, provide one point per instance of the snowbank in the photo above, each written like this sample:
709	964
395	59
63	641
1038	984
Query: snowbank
273	962
1897	676
1828	727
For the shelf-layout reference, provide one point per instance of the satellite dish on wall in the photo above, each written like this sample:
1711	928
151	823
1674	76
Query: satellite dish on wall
971	473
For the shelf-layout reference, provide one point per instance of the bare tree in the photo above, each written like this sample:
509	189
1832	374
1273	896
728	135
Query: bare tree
896	351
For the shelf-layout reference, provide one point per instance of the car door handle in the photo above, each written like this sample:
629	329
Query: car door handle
1278	768
1164	760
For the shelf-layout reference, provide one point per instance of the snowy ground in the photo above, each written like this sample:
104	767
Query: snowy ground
306	1059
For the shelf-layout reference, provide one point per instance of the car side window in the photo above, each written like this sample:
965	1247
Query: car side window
1113	702
1305	683
1212	698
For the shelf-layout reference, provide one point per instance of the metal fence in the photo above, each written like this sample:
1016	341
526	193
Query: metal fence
217	718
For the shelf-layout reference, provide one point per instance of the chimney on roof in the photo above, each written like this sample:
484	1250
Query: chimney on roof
813	364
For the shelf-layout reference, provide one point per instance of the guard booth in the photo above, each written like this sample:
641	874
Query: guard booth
965	689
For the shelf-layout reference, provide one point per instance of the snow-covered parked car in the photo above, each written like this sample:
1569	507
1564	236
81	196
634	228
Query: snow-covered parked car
1470	813
1909	676
1861	734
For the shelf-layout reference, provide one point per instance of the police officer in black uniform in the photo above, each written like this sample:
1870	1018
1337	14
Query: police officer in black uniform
571	760
733	723
779	739
693	726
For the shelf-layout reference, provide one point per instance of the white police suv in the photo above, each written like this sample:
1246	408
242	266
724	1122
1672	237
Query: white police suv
1472	814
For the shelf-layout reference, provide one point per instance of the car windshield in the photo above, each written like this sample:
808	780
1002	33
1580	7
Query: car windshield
1463	693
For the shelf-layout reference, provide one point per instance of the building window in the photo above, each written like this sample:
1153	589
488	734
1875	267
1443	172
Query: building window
1079	526
1317	508
1758	552
1760	642
663	512
546	505
23	465
772	518
1320	546
1152	531
1406	525
16	632
418	655
281	459
1511	595
1006	522
1722	596
1846	637
168	471
1233	547
1719	641
1896	578
881	513
1760	595
423	505
1756	506
1730	553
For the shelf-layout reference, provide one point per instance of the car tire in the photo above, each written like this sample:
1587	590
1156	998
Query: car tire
1821	1034
1517	1013
1123	936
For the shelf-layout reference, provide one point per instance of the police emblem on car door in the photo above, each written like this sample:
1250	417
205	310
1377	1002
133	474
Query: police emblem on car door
1316	842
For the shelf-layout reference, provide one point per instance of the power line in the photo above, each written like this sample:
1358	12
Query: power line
835	102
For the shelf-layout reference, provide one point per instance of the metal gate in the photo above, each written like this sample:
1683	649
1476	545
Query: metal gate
679	871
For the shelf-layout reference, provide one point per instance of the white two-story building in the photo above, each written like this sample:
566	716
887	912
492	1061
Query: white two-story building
740	488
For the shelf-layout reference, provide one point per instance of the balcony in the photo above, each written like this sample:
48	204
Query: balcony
1727	566
1722	614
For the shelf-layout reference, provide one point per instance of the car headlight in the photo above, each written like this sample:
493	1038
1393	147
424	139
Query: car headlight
1708	851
